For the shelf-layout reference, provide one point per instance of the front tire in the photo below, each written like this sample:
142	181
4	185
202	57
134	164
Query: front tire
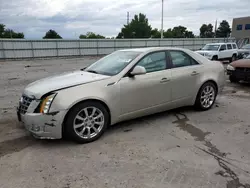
233	79
206	96
86	122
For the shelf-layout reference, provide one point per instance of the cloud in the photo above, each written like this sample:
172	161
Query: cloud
70	18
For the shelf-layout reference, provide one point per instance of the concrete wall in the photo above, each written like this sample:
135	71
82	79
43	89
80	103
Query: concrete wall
20	49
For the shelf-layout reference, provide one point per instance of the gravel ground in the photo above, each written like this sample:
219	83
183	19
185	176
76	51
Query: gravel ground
178	148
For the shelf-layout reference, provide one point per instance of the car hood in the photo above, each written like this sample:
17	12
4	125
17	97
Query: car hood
40	87
205	52
244	50
241	63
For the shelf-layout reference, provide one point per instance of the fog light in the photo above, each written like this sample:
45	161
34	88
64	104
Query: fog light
36	128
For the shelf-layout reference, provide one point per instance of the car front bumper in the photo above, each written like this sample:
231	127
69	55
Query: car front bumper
242	74
43	126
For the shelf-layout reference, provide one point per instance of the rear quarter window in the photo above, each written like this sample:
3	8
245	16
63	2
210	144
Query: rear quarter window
234	46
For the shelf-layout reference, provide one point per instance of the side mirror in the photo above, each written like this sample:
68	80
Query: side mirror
138	70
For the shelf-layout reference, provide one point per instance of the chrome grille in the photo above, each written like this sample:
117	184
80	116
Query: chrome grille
24	104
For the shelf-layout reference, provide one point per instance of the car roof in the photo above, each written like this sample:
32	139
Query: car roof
149	49
220	43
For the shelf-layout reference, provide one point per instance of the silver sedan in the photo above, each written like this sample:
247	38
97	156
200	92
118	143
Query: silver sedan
123	85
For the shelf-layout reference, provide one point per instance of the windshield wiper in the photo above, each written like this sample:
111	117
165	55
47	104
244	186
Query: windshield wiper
92	71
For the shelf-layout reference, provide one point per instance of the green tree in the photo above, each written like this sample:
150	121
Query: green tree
206	31
223	30
91	35
2	28
9	33
51	34
178	32
168	33
155	33
137	28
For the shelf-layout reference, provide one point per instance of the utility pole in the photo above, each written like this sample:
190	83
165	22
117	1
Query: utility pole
215	28
127	18
162	19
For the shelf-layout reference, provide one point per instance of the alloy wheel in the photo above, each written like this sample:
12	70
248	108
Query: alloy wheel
207	96
88	122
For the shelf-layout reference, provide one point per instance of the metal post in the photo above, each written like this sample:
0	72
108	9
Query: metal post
57	49
2	48
97	46
162	19
79	45
32	49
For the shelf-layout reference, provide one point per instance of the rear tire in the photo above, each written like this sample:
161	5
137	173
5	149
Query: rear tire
233	79
206	96
86	122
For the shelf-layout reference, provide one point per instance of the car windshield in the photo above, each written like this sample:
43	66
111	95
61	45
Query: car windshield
211	47
113	63
247	46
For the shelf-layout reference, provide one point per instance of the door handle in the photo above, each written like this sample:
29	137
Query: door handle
194	73
164	80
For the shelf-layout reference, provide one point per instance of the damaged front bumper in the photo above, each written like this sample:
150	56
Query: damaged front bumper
43	126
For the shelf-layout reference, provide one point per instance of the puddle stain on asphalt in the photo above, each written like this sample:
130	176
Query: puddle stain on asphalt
15	145
198	134
228	172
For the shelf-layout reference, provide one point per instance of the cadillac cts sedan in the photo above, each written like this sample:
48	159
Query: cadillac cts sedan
123	85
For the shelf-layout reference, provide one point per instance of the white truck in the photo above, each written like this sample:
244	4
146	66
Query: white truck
220	51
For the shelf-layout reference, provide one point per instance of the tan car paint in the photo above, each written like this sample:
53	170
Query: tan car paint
128	98
241	63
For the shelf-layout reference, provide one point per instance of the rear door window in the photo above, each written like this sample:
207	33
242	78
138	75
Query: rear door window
181	59
229	46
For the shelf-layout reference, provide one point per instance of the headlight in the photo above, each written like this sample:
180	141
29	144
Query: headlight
46	103
230	67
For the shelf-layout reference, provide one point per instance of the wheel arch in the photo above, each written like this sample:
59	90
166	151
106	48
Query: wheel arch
82	101
209	80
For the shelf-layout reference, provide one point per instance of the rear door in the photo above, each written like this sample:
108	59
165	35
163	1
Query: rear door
229	50
223	52
186	74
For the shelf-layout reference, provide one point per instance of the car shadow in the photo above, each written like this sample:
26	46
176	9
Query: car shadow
127	126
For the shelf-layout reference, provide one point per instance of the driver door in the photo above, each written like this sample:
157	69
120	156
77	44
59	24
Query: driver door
147	93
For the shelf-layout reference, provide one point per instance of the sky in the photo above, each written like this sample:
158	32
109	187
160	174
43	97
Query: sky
70	18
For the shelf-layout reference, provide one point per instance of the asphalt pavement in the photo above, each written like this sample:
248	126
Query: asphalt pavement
178	148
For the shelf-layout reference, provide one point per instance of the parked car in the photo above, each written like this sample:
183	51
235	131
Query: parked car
123	85
239	70
220	51
244	51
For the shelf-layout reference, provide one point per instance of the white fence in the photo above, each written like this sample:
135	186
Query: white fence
19	49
